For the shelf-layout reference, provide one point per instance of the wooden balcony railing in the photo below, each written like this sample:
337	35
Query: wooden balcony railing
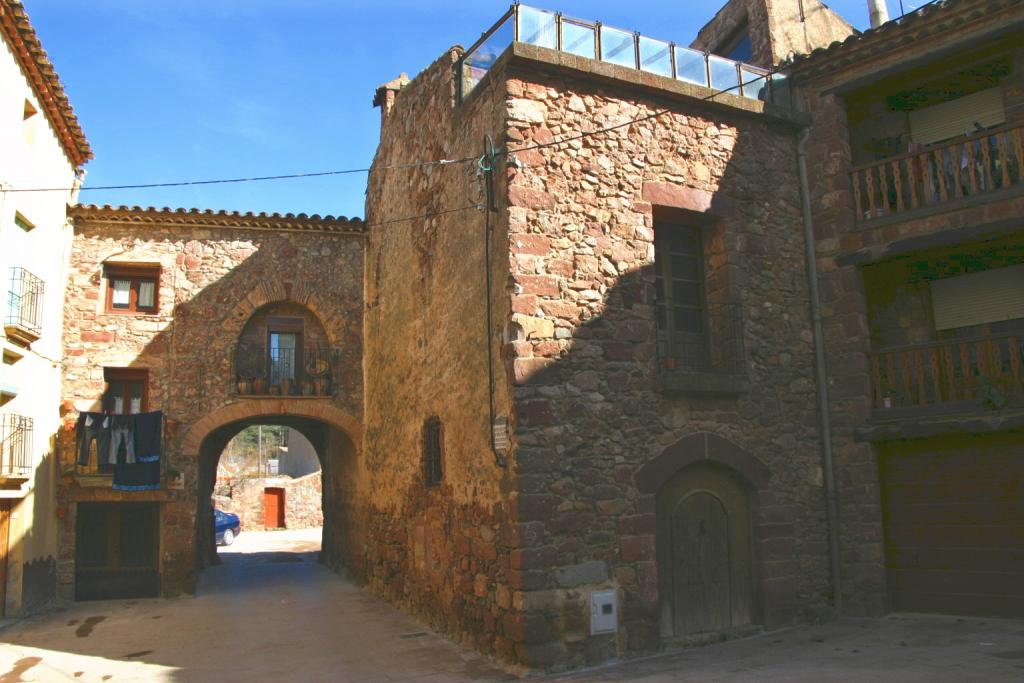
970	166
988	369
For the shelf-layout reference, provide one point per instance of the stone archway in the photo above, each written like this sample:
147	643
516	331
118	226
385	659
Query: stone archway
297	292
335	434
316	409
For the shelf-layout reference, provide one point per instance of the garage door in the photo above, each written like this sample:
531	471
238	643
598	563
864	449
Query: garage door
954	524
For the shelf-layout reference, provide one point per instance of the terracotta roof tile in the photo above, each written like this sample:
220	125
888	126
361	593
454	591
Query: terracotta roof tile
927	20
16	29
209	218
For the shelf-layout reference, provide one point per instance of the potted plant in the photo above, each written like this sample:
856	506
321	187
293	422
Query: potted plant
244	384
287	386
259	385
308	388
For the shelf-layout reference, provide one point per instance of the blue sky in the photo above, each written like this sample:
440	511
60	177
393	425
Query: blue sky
170	90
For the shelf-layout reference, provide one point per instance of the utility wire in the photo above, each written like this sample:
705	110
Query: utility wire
222	181
416	164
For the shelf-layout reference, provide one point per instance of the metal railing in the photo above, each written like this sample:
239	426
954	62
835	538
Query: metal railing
25	302
15	446
969	166
712	342
594	40
987	368
263	371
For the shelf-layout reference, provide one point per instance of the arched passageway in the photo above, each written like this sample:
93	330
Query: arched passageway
321	425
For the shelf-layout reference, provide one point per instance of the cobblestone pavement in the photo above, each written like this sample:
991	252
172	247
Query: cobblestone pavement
271	613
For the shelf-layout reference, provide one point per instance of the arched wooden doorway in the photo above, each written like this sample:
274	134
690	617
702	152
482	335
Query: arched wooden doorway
705	551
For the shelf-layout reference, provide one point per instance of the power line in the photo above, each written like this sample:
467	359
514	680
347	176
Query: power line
416	164
223	181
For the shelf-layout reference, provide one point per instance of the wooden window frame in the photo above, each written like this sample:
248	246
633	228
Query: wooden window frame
433	452
125	375
135	274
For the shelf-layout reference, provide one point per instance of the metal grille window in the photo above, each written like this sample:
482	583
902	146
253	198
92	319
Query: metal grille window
693	334
25	301
432	451
15	445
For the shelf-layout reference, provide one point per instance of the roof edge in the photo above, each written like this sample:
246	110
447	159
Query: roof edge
208	218
43	78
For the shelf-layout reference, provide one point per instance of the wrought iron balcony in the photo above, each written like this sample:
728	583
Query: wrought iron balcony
971	166
270	371
984	371
24	320
594	40
15	446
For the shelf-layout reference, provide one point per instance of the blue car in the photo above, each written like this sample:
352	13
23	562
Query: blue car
226	526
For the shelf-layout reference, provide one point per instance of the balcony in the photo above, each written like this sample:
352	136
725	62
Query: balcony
708	358
944	175
15	448
594	40
306	372
963	375
24	320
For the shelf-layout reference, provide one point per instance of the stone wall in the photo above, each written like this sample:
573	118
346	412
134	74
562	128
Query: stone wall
216	271
303	497
447	552
590	411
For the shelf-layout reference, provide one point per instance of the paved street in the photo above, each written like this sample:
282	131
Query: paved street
270	613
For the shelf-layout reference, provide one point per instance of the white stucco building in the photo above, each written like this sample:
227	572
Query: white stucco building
41	146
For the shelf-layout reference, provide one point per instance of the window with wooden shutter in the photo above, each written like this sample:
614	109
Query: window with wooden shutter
990	296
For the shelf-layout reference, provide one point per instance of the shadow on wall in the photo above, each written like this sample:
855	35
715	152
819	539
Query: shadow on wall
627	411
189	364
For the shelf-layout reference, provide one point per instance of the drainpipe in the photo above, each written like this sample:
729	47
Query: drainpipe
820	372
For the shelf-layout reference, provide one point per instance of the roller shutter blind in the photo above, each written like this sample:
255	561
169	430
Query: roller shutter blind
987	297
950	119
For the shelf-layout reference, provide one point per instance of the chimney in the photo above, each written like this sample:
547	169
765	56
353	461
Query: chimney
384	97
878	12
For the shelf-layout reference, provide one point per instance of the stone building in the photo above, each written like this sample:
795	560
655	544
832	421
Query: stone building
679	346
612	362
41	145
916	156
229	320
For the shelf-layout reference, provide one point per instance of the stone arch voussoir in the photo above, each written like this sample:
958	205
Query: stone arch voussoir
269	408
700	447
271	292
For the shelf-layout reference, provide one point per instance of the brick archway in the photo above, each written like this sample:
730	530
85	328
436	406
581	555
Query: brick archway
271	292
315	409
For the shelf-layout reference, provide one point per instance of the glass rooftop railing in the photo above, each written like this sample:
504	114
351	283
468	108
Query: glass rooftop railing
594	40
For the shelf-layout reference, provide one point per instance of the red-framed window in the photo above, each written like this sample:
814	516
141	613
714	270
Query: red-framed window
127	391
132	288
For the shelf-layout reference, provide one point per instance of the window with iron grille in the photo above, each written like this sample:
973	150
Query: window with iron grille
693	333
15	445
432	451
25	301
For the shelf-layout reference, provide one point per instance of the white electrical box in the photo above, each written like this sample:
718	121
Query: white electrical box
604	612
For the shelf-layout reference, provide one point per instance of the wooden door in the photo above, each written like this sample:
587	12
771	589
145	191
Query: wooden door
273	508
117	551
5	525
701	565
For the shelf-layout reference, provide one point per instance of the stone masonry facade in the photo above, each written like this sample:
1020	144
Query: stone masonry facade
595	435
303	500
215	272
